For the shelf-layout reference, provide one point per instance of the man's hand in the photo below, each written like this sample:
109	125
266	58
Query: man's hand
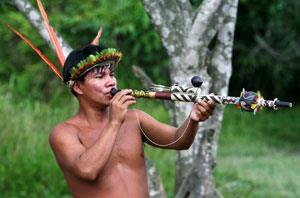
119	105
202	110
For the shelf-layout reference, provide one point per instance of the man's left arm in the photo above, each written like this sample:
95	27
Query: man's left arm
166	136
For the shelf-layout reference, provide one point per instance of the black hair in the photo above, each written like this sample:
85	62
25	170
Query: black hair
76	56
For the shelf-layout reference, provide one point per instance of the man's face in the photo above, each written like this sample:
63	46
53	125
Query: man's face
97	85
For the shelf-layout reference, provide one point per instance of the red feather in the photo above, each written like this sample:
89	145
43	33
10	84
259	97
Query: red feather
47	61
96	39
53	37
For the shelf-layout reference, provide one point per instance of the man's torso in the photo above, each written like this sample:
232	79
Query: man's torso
124	174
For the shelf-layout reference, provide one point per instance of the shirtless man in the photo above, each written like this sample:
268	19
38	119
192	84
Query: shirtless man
100	149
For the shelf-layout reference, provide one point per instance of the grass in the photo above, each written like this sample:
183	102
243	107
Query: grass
258	156
27	166
264	176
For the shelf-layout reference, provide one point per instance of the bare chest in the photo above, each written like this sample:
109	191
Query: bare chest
128	144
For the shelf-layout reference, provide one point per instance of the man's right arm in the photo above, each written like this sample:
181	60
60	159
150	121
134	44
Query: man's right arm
85	163
73	157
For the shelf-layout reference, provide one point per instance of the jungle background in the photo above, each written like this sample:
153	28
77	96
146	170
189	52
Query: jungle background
258	156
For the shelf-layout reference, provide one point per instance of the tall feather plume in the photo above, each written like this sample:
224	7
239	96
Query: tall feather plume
58	49
96	39
47	61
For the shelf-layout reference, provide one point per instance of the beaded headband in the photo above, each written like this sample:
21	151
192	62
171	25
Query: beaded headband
107	57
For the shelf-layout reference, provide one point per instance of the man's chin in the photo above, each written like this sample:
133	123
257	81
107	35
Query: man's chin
104	101
107	101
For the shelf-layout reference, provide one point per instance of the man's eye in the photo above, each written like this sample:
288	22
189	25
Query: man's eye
99	76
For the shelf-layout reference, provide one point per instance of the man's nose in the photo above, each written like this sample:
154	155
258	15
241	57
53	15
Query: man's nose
111	81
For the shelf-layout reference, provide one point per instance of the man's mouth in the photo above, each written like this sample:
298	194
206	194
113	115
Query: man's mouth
108	95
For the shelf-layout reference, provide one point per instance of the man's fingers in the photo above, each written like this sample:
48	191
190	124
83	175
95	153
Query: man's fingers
212	103
202	116
129	102
203	111
120	94
119	105
126	98
205	105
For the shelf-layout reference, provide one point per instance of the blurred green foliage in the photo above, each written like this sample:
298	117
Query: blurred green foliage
266	50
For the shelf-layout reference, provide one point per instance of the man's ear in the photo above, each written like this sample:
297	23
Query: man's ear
77	88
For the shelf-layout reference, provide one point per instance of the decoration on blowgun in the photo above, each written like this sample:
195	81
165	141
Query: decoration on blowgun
248	101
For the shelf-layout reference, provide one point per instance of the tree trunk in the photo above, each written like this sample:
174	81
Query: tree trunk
198	42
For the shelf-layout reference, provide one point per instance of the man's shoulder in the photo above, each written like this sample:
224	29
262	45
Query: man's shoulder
64	126
62	130
134	113
139	116
137	113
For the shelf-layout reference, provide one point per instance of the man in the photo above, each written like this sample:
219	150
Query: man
100	149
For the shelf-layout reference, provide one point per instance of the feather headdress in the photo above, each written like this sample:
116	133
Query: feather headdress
76	66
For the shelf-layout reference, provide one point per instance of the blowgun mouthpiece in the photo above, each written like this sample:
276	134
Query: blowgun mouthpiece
113	92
